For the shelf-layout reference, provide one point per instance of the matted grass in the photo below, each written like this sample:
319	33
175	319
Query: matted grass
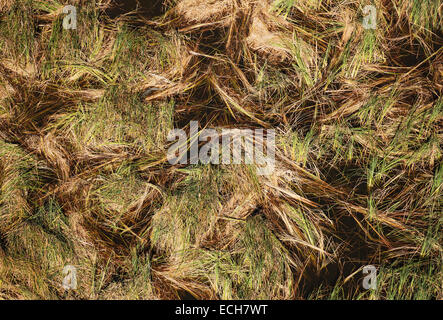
85	181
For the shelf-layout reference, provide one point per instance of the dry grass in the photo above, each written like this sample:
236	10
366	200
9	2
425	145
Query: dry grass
84	178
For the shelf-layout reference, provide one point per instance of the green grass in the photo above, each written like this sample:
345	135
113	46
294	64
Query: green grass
85	181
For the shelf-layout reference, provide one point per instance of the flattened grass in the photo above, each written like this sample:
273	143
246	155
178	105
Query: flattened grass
84	180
